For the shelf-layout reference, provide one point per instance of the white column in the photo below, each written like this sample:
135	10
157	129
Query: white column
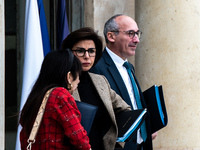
169	54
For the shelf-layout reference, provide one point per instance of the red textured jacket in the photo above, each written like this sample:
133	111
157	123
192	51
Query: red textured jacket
61	121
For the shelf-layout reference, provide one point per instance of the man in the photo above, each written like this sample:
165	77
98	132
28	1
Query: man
122	36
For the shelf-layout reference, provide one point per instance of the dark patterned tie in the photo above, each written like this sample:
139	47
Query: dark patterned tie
137	98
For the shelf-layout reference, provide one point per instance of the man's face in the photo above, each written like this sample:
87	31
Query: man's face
124	44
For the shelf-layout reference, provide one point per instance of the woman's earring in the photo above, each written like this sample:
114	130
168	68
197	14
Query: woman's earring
69	86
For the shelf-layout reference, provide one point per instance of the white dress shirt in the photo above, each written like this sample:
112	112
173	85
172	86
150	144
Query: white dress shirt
127	81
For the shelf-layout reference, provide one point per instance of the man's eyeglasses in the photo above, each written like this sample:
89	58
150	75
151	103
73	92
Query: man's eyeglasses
80	52
131	33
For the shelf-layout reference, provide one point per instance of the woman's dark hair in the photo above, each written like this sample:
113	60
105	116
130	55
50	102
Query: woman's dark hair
85	33
53	73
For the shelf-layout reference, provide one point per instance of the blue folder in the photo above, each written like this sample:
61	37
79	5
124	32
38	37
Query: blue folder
156	106
129	122
88	113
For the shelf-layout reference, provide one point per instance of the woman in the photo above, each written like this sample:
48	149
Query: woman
95	89
60	127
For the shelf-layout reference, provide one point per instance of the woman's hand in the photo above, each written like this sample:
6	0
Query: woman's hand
154	135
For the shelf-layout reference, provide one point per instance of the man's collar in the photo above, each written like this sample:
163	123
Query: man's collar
117	60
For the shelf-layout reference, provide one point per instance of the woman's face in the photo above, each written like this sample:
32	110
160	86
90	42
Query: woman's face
87	60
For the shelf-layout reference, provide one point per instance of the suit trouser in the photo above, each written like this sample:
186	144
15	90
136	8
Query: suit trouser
140	146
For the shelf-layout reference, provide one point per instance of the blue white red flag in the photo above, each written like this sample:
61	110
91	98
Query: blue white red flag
35	42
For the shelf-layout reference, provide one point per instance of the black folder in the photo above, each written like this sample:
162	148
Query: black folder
129	122
88	113
156	106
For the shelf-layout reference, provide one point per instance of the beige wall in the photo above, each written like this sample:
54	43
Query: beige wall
104	9
169	54
2	76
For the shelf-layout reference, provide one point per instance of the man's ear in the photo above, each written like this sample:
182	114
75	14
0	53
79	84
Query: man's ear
111	36
69	77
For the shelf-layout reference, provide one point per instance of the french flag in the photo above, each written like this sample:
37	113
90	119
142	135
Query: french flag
36	46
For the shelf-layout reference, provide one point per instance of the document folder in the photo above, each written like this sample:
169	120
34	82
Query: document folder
129	122
88	113
156	106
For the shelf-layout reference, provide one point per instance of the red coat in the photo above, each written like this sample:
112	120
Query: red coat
61	121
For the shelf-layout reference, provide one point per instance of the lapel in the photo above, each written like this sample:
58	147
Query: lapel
104	92
114	73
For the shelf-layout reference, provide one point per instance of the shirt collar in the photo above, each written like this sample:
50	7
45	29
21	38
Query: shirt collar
117	60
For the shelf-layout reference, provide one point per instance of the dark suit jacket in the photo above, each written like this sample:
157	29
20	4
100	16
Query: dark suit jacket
107	67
